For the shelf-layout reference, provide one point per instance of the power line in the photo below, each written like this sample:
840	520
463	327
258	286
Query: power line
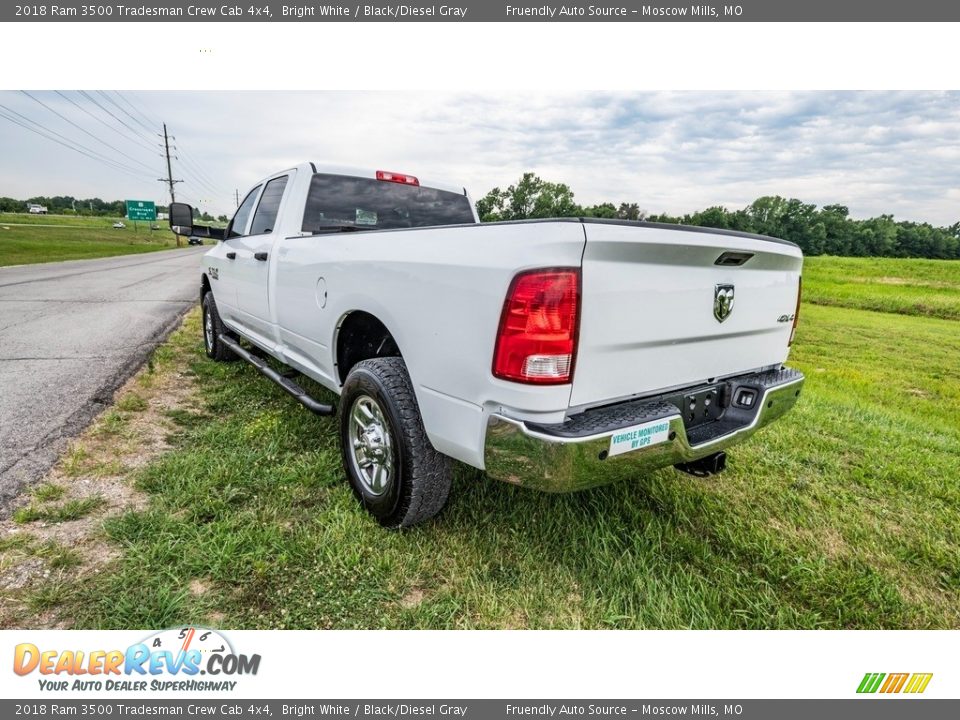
48	135
186	196
191	182
193	169
84	130
128	101
71	142
192	164
92	99
137	120
109	99
196	178
105	123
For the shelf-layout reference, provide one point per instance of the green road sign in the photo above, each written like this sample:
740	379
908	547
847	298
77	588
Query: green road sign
141	210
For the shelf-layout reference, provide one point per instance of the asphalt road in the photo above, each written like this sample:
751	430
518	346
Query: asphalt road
70	334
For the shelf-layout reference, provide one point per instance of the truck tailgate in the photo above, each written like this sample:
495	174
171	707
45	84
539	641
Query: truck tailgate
648	319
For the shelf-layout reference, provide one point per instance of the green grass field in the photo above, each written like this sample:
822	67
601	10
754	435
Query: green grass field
845	514
28	238
907	287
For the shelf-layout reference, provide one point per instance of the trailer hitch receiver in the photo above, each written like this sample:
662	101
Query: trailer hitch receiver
705	466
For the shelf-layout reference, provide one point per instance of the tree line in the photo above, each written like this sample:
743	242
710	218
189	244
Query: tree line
66	205
92	207
828	230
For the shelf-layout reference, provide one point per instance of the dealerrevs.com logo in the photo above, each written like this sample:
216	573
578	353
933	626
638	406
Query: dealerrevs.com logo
891	683
168	660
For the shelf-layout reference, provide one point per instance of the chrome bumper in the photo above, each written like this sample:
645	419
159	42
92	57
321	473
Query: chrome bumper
574	456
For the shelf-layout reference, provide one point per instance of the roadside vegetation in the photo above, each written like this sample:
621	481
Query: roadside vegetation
26	238
845	514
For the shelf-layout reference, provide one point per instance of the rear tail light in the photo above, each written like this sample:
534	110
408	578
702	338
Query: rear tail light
537	339
796	314
397	178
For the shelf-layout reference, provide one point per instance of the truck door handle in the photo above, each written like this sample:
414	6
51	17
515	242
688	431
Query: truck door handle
231	256
260	256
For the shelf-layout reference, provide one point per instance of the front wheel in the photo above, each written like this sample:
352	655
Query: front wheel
393	469
213	327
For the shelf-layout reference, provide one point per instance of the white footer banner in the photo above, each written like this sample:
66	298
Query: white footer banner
189	662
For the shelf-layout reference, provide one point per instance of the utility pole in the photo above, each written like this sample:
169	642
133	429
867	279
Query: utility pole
236	196
169	178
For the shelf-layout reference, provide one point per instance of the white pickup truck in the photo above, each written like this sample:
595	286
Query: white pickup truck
556	354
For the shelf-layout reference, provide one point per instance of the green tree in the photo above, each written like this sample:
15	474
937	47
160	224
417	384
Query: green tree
715	217
530	197
603	210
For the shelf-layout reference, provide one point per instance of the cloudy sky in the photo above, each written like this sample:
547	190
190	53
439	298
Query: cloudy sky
877	153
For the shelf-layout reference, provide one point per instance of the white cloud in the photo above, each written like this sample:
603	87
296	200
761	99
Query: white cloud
675	152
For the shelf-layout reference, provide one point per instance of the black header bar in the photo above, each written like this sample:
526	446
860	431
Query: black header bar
487	11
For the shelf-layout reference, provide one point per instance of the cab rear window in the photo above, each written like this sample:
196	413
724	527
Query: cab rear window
340	201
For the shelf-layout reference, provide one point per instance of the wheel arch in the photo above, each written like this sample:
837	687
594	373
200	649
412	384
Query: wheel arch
361	335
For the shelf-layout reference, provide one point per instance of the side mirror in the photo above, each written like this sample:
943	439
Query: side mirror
181	218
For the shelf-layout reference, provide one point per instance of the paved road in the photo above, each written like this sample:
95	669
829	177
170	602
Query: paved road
70	334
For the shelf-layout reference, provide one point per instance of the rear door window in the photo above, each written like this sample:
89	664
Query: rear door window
266	216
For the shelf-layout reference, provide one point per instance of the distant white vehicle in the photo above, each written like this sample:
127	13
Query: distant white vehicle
35	209
119	225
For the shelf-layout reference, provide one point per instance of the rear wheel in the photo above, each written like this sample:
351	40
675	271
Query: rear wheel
213	327
393	469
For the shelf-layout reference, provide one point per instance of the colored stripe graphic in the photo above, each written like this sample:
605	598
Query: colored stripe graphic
894	683
870	682
918	683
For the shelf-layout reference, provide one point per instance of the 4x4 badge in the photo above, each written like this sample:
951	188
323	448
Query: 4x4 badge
722	301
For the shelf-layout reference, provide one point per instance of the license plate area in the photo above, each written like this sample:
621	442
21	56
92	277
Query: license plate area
702	405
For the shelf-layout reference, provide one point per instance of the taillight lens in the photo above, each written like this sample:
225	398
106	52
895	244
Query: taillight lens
796	314
537	340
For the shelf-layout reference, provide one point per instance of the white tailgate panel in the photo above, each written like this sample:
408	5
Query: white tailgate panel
647	319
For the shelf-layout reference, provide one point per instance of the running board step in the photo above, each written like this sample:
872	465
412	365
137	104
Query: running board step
289	386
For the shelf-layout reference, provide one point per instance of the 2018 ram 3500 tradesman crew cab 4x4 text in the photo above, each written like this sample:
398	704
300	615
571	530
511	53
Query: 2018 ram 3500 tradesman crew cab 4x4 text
556	354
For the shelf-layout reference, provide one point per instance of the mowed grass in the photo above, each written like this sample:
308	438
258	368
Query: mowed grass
845	514
908	287
28	238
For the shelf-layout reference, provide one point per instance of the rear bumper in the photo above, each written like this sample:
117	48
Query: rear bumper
574	455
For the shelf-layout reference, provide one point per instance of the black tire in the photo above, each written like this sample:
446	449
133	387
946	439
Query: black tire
417	483
212	328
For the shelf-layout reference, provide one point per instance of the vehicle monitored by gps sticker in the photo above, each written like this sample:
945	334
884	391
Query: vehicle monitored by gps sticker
555	354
